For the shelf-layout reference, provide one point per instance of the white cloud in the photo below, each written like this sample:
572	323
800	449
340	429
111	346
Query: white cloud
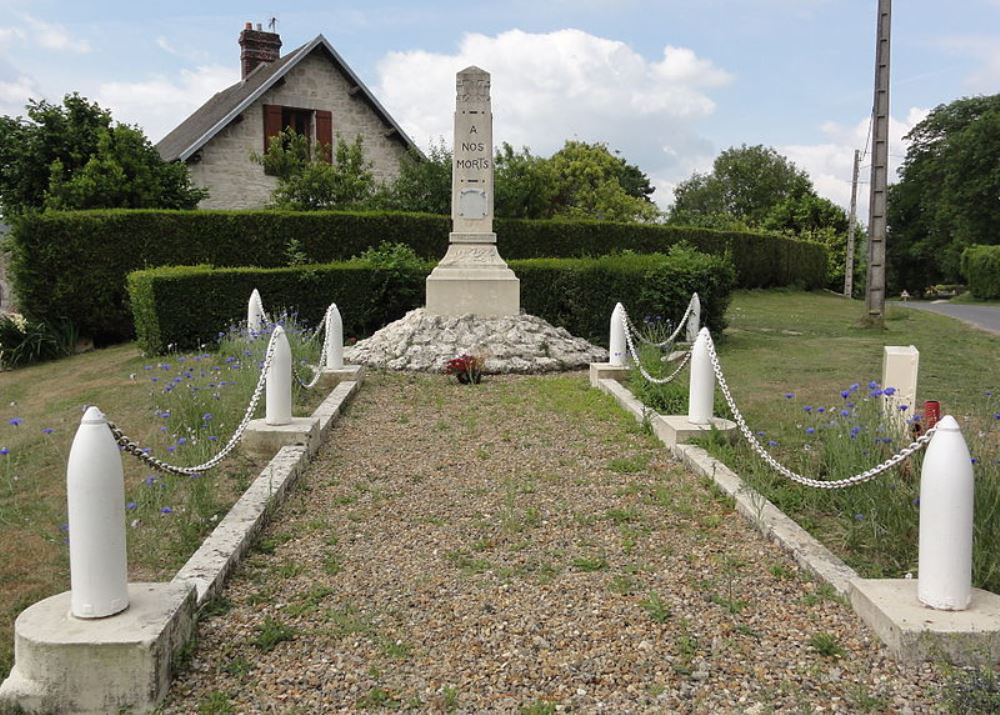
14	94
985	49
567	84
8	34
161	103
54	37
829	163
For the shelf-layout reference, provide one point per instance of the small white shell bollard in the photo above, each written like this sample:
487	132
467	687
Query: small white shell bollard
255	313
95	495
694	318
278	391
334	338
616	341
701	388
944	576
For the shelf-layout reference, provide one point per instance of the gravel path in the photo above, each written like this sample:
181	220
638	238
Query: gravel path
522	546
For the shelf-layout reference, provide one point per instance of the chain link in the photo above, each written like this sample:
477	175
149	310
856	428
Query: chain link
669	341
630	344
318	369
860	478
129	446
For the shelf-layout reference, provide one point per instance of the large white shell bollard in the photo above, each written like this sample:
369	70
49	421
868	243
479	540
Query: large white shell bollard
694	318
701	393
255	313
946	504
95	495
334	338
278	393
616	341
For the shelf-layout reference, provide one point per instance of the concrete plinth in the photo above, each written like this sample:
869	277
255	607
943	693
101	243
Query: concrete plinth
472	278
265	440
605	370
103	665
913	632
329	378
678	429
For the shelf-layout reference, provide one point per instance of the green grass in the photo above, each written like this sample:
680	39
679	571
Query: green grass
168	516
785	351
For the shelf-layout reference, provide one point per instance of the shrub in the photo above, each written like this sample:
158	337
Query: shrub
184	306
981	268
74	264
23	342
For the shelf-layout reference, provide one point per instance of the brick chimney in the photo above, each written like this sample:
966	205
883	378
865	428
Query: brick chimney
257	46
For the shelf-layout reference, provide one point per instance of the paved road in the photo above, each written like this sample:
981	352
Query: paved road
984	317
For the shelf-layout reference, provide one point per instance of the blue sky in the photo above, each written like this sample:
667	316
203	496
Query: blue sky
669	83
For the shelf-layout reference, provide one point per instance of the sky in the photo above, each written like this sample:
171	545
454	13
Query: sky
667	83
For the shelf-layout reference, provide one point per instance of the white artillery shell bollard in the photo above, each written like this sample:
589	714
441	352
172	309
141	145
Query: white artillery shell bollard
616	342
334	338
278	394
255	313
946	503
701	392
95	495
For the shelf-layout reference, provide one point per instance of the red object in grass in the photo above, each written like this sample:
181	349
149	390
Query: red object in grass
932	412
467	368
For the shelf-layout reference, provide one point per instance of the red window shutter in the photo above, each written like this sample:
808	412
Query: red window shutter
324	131
272	122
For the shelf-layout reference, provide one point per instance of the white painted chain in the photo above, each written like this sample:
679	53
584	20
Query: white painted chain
672	338
317	369
865	476
629	342
131	447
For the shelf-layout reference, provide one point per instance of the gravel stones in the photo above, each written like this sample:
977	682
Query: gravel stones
524	544
517	344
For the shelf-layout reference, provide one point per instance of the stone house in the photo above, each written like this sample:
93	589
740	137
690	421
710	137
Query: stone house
311	89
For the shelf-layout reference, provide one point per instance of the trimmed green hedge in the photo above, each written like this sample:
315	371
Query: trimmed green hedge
981	268
73	264
184	306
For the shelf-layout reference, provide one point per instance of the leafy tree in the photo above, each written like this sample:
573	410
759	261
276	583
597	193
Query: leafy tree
70	156
423	184
524	185
745	184
308	182
948	194
588	185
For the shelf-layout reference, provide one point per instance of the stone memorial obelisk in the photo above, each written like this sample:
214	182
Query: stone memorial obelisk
472	278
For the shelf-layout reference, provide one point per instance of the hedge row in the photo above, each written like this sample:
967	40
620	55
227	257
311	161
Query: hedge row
184	306
981	268
73	264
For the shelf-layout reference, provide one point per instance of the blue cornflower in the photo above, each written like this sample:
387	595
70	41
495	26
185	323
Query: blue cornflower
150	479
64	527
47	430
789	395
875	393
164	366
807	408
182	440
854	431
887	440
903	408
916	501
4	451
810	430
845	413
851	405
996	416
171	449
974	460
821	410
207	417
859	517
130	506
845	393
147	367
213	438
14	421
154	379
166	510
772	443
890	391
872	385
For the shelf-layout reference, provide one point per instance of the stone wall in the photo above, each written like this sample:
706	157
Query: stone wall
236	182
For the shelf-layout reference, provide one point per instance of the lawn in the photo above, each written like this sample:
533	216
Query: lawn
182	407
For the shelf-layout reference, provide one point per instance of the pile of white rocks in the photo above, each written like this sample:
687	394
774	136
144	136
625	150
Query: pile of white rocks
519	344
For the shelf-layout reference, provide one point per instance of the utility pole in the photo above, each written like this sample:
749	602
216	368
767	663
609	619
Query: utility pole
875	288
849	265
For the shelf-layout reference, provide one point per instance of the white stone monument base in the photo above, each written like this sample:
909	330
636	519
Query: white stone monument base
101	665
264	440
472	278
329	378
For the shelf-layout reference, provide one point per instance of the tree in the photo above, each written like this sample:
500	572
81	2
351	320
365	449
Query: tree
71	156
524	185
744	185
588	185
423	184
948	194
308	182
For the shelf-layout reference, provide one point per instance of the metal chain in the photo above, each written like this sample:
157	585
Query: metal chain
672	338
860	478
317	370
642	370
129	446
